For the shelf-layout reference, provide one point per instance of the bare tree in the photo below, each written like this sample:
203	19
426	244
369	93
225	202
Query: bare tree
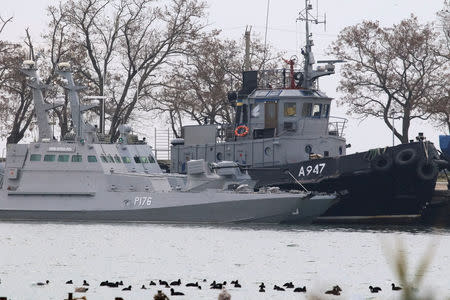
197	85
390	71
127	42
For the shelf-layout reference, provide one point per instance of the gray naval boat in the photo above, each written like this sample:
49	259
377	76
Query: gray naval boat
82	177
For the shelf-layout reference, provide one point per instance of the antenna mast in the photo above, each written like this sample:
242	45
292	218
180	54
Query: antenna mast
247	64
306	15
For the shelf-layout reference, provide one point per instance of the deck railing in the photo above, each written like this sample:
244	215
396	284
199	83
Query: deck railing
336	126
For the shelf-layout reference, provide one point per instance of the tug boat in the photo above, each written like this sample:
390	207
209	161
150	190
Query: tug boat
285	136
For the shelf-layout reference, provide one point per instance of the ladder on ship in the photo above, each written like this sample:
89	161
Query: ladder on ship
161	145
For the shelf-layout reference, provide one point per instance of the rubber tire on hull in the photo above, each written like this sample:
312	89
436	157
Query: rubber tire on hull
382	163
427	170
406	157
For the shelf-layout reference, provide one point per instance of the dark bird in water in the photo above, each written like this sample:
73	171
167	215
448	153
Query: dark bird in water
277	288
289	285
69	282
178	282
300	290
262	286
262	290
43	283
113	284
375	289
213	283
233	281
192	284
173	293
104	283
217	286
236	284
152	283
395	288
338	288
85	283
127	288
121	282
143	287
335	291
163	282
81	290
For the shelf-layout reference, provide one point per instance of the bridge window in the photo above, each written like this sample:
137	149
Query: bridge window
317	110
290	109
326	110
92	158
103	158
117	158
110	158
137	160
35	157
49	157
152	160
63	158
126	159
77	158
144	160
306	109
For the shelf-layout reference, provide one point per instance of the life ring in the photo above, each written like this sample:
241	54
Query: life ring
427	170
382	163
240	133
406	157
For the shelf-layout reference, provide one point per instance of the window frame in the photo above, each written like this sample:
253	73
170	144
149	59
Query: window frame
288	105
89	159
78	159
35	155
66	156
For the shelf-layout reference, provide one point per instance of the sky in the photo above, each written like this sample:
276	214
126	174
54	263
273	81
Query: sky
284	34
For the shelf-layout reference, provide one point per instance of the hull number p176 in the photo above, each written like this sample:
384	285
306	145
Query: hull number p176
142	201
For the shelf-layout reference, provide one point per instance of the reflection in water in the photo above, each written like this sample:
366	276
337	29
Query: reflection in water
315	256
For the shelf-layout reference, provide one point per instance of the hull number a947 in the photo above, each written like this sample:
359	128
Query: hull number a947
313	169
142	201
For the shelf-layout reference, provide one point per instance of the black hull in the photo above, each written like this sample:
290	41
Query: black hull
371	183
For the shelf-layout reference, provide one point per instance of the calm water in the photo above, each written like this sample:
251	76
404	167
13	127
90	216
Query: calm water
317	257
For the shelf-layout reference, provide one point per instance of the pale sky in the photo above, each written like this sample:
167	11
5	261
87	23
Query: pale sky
284	34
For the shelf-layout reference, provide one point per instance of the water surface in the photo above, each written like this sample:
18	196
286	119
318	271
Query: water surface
315	256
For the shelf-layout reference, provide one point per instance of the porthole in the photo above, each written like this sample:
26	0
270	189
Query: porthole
268	151
219	156
308	149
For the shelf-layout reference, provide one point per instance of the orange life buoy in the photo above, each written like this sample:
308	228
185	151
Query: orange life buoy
238	131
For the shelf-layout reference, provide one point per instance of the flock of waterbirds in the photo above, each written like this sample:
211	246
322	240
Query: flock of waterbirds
335	290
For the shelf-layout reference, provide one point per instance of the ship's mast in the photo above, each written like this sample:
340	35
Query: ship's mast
309	74
29	68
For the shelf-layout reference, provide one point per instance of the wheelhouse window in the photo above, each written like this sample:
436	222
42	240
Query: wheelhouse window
306	109
103	158
117	159
35	157
137	159
144	160
126	159
317	110
151	159
77	158
326	110
63	158
92	158
49	157
290	109
110	158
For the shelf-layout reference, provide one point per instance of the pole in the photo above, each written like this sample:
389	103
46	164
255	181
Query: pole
393	129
